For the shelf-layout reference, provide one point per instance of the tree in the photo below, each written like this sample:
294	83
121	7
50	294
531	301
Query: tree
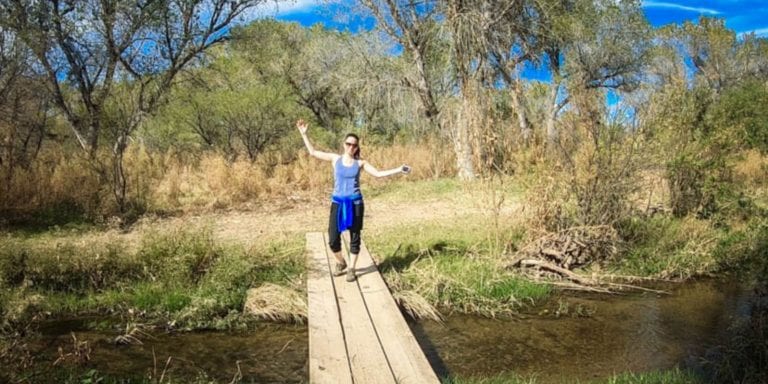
347	81
24	108
741	110
514	41
256	111
415	26
601	44
707	110
85	48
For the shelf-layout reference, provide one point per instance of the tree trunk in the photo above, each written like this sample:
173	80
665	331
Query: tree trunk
9	156
522	120
119	181
552	109
462	145
423	88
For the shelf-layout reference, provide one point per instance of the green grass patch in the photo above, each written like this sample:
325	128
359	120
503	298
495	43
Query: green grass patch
669	247
507	378
470	284
414	190
672	376
184	276
464	274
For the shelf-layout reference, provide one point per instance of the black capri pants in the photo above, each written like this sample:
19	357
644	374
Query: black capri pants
334	236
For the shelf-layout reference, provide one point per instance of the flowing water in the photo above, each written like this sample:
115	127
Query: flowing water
271	353
574	337
586	337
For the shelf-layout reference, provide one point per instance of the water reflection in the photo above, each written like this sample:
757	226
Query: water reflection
638	332
580	337
269	354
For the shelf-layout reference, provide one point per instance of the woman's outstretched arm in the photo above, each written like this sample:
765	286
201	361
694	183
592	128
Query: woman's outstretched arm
376	173
302	126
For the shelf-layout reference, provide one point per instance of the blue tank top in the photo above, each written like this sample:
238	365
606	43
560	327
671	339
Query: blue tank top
346	179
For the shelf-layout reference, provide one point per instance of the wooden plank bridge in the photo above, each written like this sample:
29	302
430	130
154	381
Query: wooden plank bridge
356	331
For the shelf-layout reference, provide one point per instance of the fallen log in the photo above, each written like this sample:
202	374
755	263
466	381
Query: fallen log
552	253
554	268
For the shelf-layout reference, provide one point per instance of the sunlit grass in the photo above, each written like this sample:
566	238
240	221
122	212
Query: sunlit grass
669	247
672	376
406	189
185	276
454	266
508	378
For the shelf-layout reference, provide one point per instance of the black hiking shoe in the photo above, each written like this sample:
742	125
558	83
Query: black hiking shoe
339	269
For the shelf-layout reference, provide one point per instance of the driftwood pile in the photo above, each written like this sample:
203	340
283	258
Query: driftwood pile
555	255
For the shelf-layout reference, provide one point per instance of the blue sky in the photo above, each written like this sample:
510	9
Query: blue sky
743	16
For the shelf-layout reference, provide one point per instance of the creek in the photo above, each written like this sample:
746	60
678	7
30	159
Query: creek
573	337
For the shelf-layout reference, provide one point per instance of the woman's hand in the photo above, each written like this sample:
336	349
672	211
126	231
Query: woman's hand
302	126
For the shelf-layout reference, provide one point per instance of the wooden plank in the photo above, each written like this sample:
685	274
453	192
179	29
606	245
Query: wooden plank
406	358
328	361
366	357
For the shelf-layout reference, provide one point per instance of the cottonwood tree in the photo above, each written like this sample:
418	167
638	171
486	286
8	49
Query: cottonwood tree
86	48
411	24
709	112
514	41
602	44
492	41
715	55
415	26
310	61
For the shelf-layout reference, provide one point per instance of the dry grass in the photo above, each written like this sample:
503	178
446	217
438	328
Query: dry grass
276	303
672	248
177	182
652	193
214	182
51	181
752	169
416	305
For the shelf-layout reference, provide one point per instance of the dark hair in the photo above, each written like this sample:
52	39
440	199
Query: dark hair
357	151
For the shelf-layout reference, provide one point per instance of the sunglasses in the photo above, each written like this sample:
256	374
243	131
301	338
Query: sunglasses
353	145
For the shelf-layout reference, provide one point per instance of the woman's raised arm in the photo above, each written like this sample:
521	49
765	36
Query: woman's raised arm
302	126
368	167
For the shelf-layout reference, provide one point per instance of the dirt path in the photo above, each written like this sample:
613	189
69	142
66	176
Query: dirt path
249	227
270	222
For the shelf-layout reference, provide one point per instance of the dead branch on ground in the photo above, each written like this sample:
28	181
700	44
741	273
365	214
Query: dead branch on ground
554	256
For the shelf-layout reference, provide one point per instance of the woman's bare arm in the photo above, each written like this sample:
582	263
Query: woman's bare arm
302	126
368	167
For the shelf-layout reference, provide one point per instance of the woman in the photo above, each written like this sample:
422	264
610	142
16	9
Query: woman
347	206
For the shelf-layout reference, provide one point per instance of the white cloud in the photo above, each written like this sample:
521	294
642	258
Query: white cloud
660	4
760	32
286	7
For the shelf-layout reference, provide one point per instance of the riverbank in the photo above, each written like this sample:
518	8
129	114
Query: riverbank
443	247
577	338
194	272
